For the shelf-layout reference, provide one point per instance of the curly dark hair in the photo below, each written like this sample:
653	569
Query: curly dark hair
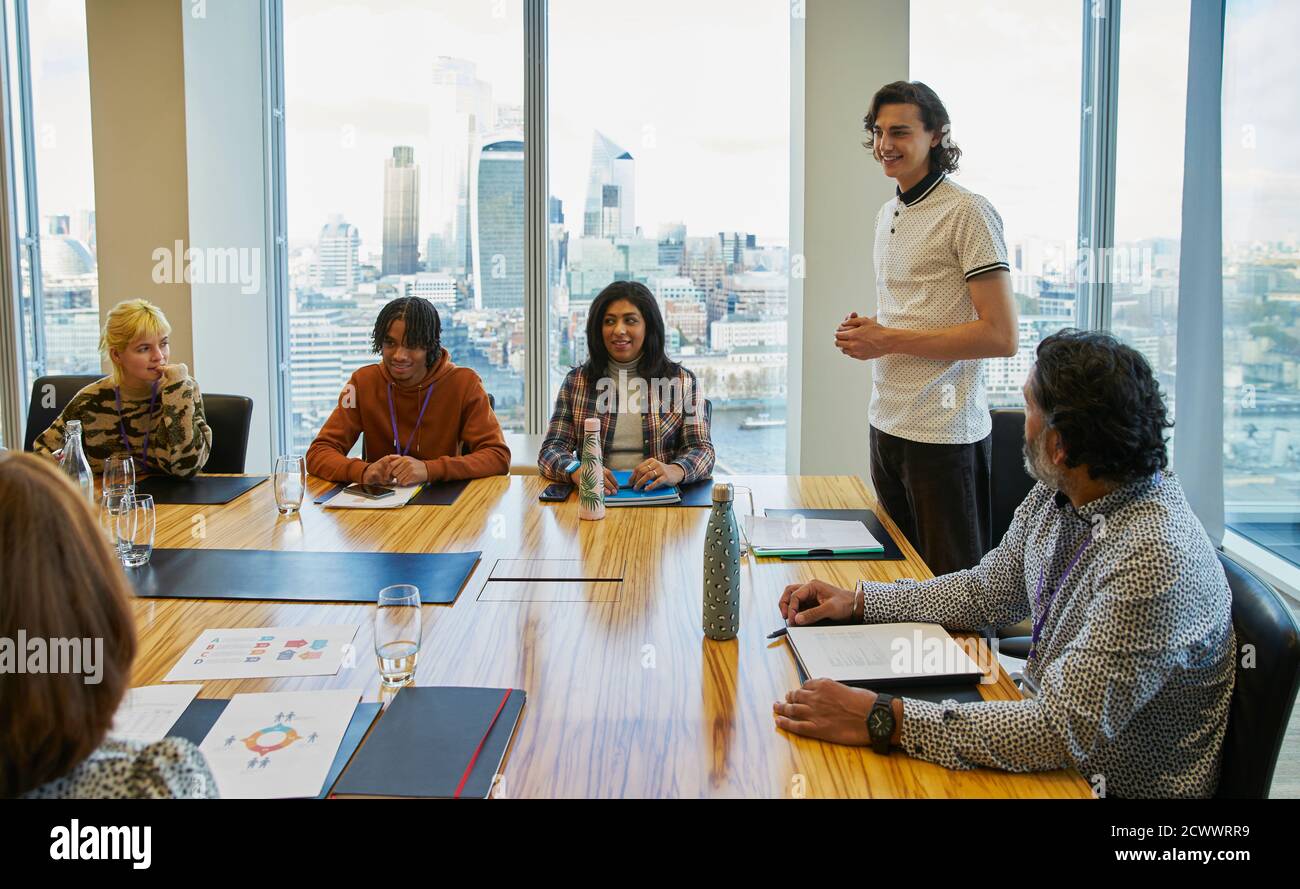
934	115
1103	399
423	326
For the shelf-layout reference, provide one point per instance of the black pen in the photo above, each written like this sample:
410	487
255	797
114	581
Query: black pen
776	634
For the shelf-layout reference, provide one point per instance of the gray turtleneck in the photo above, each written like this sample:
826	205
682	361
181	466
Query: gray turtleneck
628	449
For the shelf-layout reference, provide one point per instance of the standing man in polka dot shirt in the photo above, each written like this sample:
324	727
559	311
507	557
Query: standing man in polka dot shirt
944	304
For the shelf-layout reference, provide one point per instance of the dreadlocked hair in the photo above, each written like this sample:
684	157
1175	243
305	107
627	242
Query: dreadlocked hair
423	326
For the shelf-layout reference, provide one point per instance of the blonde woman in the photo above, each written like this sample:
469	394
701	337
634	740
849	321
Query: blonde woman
147	407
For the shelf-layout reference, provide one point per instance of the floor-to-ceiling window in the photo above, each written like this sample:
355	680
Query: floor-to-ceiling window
669	165
404	158
54	186
1009	75
1261	274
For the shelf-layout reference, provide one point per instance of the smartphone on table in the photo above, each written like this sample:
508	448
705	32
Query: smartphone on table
556	492
370	492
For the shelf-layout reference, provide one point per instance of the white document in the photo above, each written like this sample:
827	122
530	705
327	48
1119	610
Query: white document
797	533
265	652
148	713
399	498
278	744
867	653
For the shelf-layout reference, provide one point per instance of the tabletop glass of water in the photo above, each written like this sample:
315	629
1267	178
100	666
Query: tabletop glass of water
135	529
397	633
290	481
110	509
119	473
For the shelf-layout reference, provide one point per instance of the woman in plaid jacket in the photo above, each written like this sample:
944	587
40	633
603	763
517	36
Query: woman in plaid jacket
653	416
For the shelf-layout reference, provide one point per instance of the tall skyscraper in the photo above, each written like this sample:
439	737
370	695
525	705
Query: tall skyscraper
336	254
497	201
460	110
401	213
610	211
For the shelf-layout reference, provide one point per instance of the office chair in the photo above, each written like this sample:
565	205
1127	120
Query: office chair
1010	485
229	417
62	387
1265	692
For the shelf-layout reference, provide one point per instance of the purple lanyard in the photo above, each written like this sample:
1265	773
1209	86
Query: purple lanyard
392	415
121	426
1038	594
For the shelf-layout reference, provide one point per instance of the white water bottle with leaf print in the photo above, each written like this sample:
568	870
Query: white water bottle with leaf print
591	478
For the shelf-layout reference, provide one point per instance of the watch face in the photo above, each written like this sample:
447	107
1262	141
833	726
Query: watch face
880	722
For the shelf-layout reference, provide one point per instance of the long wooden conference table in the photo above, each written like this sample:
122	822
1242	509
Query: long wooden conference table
626	697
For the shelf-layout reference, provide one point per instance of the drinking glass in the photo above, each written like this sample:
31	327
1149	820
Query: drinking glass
110	508
397	633
135	529
119	473
290	481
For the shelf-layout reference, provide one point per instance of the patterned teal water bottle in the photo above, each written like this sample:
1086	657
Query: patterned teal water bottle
722	568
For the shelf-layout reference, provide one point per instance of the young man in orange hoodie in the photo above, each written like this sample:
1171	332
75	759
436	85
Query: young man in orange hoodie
415	408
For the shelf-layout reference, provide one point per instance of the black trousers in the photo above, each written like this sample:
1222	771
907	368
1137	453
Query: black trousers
939	495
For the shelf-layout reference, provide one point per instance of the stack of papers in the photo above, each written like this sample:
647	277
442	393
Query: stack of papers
626	495
797	536
400	497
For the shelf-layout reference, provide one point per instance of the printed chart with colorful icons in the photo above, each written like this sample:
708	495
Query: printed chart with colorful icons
251	649
258	652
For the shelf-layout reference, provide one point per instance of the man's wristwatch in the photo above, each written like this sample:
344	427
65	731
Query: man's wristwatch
881	723
573	467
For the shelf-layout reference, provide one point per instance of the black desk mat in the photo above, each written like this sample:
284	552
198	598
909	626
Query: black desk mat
891	552
299	576
201	490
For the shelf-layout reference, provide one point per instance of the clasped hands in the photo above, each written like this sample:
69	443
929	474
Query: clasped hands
405	471
861	337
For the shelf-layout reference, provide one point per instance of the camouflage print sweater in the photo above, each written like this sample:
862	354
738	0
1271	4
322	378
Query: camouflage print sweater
179	437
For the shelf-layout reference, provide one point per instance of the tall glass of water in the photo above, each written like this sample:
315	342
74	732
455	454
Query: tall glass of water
135	530
397	633
119	473
110	511
290	481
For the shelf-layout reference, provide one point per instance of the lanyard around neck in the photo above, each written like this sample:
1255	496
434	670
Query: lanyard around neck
121	426
1038	594
392	415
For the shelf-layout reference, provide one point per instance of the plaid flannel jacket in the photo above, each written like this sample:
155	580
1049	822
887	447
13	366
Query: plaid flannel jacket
675	426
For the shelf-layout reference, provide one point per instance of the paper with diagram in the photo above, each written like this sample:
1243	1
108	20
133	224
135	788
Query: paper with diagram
265	652
275	745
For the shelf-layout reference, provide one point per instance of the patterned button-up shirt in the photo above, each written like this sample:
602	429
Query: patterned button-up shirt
675	424
1135	658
